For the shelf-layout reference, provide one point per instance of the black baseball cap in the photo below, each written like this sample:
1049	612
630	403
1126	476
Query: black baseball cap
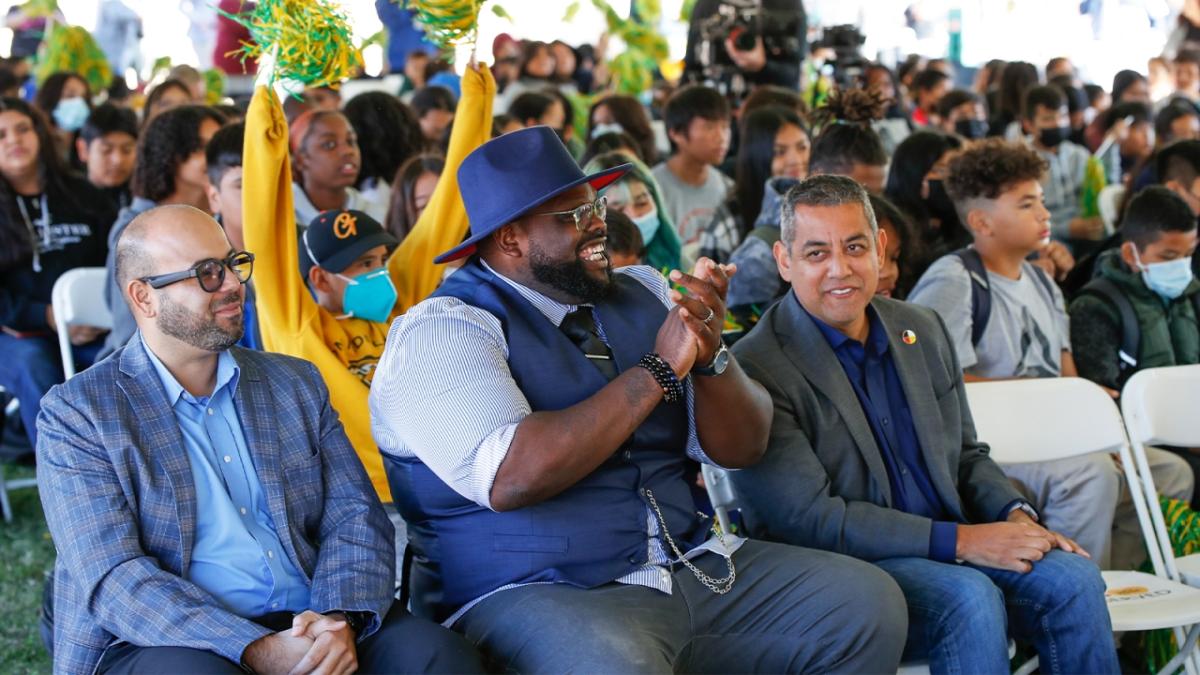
335	239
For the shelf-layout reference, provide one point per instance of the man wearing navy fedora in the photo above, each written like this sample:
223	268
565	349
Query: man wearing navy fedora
536	416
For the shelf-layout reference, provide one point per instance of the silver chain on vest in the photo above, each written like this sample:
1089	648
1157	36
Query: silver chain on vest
718	586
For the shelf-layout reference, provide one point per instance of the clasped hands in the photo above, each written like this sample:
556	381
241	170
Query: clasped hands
317	644
691	333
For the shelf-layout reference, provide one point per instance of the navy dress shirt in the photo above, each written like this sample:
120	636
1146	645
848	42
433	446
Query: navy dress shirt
876	382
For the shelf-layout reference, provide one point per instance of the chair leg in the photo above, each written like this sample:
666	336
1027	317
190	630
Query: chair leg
1027	667
1186	651
5	506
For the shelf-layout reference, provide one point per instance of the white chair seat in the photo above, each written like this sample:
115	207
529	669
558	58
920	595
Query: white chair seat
1189	569
1140	601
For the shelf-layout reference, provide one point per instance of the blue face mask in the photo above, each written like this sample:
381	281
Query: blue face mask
647	225
71	113
1168	279
370	296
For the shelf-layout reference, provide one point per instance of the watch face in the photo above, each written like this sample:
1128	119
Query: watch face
721	362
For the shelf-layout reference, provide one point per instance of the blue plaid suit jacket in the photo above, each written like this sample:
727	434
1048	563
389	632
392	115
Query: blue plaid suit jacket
116	485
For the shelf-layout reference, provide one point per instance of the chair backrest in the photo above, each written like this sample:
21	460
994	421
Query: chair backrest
78	300
1108	202
1158	404
1042	419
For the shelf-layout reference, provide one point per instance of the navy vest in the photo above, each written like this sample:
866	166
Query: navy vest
593	532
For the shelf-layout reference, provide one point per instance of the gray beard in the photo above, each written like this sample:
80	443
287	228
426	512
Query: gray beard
180	323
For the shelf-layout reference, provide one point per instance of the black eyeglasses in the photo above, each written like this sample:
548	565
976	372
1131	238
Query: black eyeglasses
582	214
209	273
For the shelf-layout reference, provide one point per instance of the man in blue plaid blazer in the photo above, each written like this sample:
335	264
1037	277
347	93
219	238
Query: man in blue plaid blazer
208	511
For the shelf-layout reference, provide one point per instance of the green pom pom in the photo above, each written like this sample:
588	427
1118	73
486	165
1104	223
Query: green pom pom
309	40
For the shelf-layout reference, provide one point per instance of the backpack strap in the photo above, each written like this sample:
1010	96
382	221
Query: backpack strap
767	233
1131	330
981	292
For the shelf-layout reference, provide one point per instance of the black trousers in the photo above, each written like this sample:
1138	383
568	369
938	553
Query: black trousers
403	644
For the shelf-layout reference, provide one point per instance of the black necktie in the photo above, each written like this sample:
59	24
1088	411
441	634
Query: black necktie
580	327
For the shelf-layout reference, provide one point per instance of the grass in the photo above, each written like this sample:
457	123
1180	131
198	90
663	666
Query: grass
26	554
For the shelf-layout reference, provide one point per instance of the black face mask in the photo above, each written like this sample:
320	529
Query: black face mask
972	129
940	205
1052	138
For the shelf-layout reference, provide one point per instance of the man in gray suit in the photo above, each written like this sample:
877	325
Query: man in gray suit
208	510
873	454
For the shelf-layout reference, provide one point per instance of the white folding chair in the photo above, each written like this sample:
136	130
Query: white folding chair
720	493
78	300
1109	204
6	484
1034	420
1159	409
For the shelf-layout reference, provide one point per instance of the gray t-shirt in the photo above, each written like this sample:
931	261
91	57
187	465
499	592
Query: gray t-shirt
691	208
1026	333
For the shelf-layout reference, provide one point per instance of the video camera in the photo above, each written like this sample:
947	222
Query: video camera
744	21
848	67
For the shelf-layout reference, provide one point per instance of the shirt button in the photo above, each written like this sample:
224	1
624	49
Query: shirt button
885	421
270	554
243	510
664	573
210	411
628	454
904	472
274	605
228	459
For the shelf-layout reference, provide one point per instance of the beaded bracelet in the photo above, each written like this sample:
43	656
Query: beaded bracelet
664	375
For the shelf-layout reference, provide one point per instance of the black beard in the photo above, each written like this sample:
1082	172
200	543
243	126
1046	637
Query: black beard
572	278
182	324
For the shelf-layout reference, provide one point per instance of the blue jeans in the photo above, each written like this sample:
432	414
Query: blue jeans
29	366
960	616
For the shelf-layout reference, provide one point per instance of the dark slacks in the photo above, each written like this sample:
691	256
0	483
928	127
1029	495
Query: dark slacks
403	644
790	610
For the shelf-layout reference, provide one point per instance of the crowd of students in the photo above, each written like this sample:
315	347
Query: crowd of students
984	198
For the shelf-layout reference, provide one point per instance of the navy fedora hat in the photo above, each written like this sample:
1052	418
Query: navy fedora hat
509	175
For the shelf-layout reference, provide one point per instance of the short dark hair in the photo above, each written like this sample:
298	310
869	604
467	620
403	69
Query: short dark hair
530	105
1094	93
1140	112
928	79
1044	95
986	169
1179	161
108	119
433	97
1076	99
623	235
393	129
1152	212
224	151
1173	110
609	142
840	146
166	142
823	190
692	101
955	98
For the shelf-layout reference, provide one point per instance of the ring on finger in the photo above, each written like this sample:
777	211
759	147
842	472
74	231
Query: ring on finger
711	314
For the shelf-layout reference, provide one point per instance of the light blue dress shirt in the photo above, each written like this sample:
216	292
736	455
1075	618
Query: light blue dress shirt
237	555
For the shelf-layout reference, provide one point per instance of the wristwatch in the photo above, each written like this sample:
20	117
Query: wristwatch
719	363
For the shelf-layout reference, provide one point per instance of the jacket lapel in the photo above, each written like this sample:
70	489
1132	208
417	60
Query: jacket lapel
808	350
918	390
256	409
156	435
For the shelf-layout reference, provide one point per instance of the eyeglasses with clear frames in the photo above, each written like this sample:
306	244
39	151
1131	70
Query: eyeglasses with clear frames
209	273
582	214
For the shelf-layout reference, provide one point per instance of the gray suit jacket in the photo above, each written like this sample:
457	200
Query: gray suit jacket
822	483
116	484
